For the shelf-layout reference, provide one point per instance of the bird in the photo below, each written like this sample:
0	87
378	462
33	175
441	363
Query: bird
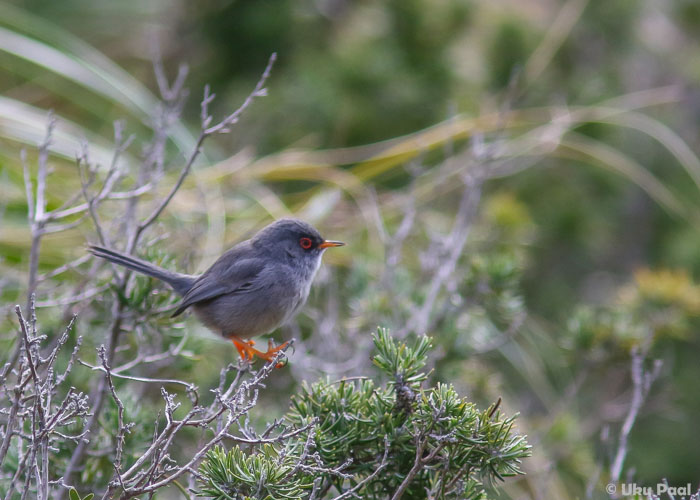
253	288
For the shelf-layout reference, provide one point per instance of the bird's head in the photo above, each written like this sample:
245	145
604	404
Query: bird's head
293	239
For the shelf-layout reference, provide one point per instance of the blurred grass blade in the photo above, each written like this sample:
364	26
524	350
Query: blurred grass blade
26	124
580	147
80	63
665	136
556	35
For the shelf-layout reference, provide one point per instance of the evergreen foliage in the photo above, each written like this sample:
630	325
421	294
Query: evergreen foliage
376	440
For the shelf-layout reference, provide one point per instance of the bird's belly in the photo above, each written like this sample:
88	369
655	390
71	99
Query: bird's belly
249	315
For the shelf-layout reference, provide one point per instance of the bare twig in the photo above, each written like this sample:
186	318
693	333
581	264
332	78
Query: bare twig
122	427
114	373
206	131
233	403
641	383
382	465
455	242
37	205
33	408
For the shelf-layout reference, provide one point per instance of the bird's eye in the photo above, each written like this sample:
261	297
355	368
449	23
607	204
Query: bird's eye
305	243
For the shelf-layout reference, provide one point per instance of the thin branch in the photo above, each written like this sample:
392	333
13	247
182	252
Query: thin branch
417	466
370	478
122	428
258	91
468	205
641	380
147	380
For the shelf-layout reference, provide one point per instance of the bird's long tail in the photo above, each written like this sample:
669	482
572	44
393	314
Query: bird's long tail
181	283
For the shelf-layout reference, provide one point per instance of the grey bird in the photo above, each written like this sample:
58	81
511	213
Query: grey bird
250	290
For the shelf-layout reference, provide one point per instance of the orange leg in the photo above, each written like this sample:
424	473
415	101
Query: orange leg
247	351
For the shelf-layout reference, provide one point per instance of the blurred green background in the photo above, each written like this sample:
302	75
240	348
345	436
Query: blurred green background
594	239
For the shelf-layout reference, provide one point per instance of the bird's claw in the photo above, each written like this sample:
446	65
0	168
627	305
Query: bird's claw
248	352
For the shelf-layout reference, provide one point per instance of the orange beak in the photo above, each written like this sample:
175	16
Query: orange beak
329	243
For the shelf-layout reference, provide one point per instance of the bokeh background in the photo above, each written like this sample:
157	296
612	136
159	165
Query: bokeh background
584	245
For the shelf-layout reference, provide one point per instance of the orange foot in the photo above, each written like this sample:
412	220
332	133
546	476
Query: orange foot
247	351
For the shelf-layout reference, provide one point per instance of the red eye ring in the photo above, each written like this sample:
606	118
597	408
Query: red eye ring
305	243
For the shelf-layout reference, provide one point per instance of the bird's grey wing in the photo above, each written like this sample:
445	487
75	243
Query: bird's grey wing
238	277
